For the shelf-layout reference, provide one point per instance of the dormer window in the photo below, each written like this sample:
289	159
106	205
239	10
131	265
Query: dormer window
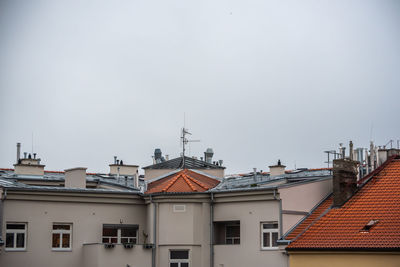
368	226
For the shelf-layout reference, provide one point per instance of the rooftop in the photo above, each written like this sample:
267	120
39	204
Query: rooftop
368	220
189	163
182	181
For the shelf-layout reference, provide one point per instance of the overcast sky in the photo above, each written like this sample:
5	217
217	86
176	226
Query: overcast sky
258	80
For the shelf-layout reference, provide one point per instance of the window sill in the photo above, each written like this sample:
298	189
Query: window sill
269	249
226	244
15	249
62	249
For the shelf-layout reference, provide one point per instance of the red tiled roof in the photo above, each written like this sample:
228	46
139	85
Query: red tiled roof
341	228
322	207
182	181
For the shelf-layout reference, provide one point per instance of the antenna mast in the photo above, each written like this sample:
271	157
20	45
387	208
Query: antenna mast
184	141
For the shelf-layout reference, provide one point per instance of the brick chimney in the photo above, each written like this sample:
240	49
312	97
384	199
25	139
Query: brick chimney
344	180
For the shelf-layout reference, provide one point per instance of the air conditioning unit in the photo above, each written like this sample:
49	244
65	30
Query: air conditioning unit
148	246
128	245
109	245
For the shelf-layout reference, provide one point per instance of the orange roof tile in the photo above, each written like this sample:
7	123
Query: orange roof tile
341	228
318	211
182	181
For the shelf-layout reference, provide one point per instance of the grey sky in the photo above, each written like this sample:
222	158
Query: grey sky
258	80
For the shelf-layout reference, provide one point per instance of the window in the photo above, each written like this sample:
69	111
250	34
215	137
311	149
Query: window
62	233
227	233
232	234
269	235
179	258
16	236
120	233
179	208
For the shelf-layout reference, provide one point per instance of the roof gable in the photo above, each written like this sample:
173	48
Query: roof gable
182	182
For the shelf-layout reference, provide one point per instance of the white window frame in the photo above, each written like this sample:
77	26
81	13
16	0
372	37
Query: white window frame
119	237
61	232
15	232
179	261
268	231
233	238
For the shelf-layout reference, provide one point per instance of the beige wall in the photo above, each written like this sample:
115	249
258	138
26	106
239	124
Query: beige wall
29	169
249	252
130	170
95	255
87	220
183	230
367	259
154	173
302	198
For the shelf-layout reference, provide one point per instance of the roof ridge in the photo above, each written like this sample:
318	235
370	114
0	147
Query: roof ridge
188	182
171	183
197	182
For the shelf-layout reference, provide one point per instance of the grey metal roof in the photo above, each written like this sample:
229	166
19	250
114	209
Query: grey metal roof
9	179
251	181
190	163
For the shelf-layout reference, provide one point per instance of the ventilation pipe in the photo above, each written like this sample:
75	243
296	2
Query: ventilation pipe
208	155
18	152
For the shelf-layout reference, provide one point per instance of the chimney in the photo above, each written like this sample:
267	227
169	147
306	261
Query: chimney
28	166
208	155
157	155
276	170
18	152
75	178
344	180
351	151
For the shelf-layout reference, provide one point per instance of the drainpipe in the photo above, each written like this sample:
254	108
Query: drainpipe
153	250
280	214
2	198
212	231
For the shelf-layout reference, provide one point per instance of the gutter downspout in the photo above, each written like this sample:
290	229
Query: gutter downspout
153	250
280	214
2	198
212	231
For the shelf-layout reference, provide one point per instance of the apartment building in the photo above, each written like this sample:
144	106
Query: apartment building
184	217
358	225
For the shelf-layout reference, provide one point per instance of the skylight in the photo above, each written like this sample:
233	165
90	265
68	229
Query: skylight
369	225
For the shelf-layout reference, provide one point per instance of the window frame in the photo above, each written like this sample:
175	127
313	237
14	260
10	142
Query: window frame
179	261
232	238
61	232
119	236
15	232
269	231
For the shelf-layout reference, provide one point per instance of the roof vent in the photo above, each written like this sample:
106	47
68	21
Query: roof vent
369	225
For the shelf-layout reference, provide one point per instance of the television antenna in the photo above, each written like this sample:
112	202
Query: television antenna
184	142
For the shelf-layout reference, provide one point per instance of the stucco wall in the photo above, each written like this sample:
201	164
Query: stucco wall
87	220
302	198
95	255
249	252
344	259
184	230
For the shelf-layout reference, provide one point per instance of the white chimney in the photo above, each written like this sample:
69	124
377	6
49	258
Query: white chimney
276	170
75	178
